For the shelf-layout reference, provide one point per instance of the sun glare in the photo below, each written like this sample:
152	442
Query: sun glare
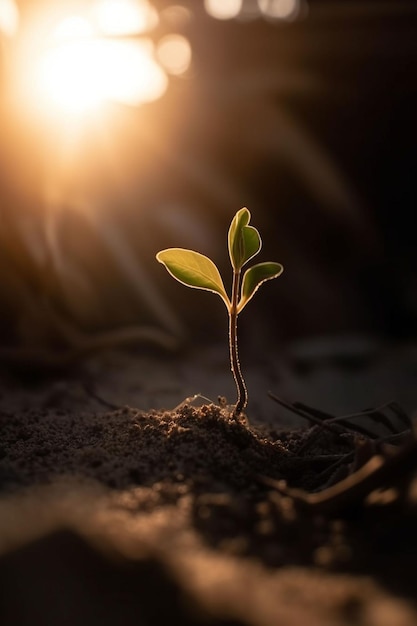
125	17
9	17
79	75
66	77
81	62
72	27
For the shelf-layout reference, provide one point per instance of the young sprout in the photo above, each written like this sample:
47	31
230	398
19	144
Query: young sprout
198	271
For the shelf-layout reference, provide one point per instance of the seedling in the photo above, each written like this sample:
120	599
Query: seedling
198	271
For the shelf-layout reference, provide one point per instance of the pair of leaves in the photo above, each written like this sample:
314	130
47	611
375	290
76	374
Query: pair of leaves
198	271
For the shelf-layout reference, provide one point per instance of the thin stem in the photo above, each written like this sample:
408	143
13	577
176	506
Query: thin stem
242	394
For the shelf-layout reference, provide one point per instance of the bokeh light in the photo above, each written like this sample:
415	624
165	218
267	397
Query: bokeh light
223	9
174	53
280	9
125	17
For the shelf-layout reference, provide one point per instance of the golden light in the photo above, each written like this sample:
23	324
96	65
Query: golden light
66	77
174	53
72	27
280	9
223	9
9	17
125	17
72	64
80	75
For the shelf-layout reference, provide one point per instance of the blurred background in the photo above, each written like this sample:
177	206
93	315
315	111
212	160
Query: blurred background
127	126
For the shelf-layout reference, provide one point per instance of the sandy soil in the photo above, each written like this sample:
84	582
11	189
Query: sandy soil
126	516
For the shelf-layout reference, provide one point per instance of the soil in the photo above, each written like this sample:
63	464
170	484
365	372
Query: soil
119	515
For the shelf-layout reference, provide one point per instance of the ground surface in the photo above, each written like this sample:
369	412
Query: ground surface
120	515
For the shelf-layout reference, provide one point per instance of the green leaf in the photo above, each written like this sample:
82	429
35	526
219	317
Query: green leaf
244	241
253	279
194	270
